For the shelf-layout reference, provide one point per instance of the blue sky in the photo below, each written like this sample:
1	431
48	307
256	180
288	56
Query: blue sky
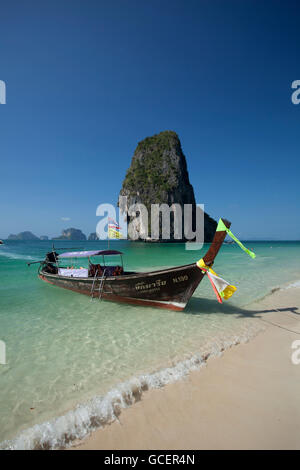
86	80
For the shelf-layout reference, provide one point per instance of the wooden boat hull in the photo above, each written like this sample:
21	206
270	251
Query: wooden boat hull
169	288
166	288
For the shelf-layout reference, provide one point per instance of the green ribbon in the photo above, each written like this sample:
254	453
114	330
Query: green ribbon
221	227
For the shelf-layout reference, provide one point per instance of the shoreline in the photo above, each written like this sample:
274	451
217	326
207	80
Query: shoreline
245	399
90	424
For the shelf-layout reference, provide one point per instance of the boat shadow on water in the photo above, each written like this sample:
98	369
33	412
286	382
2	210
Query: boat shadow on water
207	306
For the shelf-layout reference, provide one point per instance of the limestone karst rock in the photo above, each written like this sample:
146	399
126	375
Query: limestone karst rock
158	174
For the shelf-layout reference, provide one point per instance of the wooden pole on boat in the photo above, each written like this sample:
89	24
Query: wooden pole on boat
216	245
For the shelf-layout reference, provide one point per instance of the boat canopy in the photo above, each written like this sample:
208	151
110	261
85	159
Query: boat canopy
87	254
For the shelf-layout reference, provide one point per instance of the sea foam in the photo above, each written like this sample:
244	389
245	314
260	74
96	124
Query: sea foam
293	285
12	255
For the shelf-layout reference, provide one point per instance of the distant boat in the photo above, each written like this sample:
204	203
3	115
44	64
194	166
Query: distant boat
1	242
164	288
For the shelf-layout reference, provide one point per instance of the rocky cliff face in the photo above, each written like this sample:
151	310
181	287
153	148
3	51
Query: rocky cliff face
71	234
158	174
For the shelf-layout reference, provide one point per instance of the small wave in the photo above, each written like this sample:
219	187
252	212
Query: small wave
12	255
293	285
76	424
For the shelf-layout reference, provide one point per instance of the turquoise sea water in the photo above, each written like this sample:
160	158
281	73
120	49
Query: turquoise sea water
65	351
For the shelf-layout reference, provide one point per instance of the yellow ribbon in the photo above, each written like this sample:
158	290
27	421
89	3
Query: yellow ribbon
201	264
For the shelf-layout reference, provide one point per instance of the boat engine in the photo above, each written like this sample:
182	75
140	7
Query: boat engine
51	257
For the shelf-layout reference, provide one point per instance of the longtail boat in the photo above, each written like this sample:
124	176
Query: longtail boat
164	288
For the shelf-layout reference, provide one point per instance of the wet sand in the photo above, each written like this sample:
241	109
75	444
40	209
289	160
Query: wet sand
246	399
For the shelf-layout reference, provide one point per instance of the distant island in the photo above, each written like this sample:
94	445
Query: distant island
158	174
27	236
93	237
71	234
23	236
67	234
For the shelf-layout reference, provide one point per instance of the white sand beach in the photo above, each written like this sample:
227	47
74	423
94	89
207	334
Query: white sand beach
246	399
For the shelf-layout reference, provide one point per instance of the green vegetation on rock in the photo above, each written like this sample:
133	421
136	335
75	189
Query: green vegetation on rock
152	165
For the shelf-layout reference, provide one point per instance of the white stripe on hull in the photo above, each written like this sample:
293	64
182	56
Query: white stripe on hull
166	302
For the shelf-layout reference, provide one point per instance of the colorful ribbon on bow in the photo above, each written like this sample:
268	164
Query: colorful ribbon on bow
222	288
221	227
